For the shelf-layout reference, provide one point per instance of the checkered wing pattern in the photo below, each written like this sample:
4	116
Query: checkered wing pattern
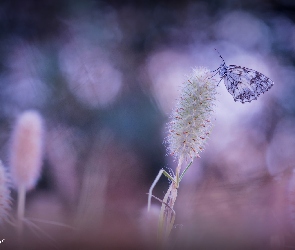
244	84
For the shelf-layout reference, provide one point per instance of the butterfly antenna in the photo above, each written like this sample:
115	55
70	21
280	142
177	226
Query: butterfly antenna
220	55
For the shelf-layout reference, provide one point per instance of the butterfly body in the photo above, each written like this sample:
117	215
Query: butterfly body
223	70
244	84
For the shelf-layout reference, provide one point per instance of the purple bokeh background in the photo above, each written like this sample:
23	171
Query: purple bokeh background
105	77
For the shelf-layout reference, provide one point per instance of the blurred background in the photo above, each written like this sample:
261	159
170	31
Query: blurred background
105	75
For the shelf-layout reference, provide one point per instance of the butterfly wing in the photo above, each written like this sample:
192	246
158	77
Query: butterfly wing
246	84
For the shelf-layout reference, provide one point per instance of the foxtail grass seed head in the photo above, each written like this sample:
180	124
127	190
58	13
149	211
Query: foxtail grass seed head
5	199
190	124
26	150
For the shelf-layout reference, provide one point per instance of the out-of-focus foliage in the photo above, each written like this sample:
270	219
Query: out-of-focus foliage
105	76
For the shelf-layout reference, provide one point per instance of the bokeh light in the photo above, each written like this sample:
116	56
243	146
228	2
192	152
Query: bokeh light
90	75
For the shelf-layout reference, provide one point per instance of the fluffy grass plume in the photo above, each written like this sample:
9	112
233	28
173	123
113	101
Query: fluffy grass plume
190	124
4	194
26	158
26	150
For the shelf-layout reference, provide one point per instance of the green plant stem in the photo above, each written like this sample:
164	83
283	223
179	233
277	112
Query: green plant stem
167	214
184	171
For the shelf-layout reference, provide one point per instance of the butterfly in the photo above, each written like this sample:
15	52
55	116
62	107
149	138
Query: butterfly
242	83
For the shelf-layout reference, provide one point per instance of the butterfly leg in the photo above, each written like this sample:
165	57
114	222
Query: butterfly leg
219	82
215	69
214	74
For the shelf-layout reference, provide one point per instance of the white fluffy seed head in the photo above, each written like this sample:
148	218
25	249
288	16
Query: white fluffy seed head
190	124
5	200
26	150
